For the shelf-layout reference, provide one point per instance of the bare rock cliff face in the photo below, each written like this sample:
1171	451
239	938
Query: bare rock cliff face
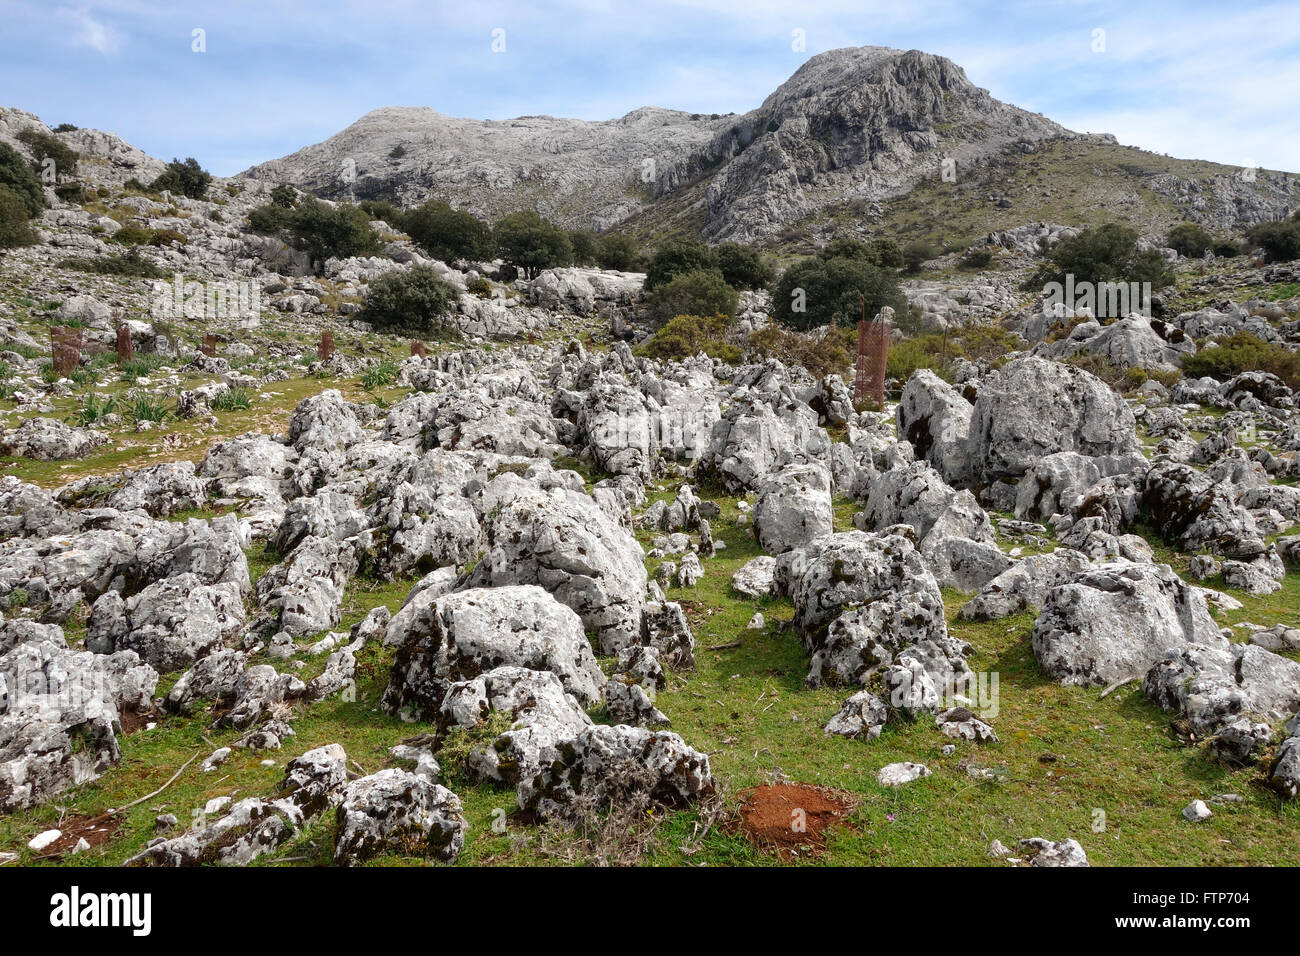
864	122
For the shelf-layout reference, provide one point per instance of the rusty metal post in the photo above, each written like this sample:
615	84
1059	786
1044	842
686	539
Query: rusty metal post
125	349
326	347
873	355
209	346
65	349
417	348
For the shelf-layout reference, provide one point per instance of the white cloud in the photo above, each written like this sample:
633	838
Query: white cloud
90	32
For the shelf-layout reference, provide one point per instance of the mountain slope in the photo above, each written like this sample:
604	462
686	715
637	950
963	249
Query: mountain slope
864	122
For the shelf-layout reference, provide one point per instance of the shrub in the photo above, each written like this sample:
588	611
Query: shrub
532	243
743	267
619	252
380	375
231	400
977	259
413	299
885	253
1189	239
683	336
285	196
143	407
325	231
1244	352
16	174
131	235
1228	248
397	152
1105	254
165	237
585	245
384	211
66	128
826	351
449	234
830	289
128	264
675	257
93	409
187	178
702	292
271	219
44	146
917	253
15	229
1279	240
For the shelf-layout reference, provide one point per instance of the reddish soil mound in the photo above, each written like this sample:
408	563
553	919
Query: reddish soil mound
791	818
96	831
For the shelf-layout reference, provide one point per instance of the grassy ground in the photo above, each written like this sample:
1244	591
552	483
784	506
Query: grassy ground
1108	772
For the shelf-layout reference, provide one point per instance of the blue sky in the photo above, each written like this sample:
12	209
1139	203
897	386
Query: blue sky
1206	80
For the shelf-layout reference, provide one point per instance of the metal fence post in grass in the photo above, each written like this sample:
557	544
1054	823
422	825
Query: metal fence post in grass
209	346
417	348
326	347
125	348
65	349
873	354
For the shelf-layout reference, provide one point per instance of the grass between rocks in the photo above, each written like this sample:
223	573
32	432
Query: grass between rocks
1108	772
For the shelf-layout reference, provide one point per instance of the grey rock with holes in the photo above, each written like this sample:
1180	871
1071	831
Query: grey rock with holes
170	624
464	634
603	764
395	811
563	542
1113	621
542	712
314	783
1032	407
862	717
793	507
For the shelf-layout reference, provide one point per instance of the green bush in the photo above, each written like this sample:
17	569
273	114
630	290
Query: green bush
701	292
16	174
413	300
828	351
131	235
684	336
143	407
618	252
449	234
1279	240
675	257
585	245
917	253
15	229
885	253
66	128
231	400
1244	352
128	264
384	211
324	231
285	196
1189	239
832	290
187	178
743	267
44	146
380	375
977	259
1105	254
531	243
271	219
